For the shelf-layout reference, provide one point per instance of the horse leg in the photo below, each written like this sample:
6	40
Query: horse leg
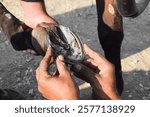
110	31
16	31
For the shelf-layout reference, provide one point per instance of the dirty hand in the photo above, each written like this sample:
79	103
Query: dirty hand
99	73
57	87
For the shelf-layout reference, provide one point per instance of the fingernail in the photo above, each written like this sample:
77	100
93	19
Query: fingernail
60	57
49	46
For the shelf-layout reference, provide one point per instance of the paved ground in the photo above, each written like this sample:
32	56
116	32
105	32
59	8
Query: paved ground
17	69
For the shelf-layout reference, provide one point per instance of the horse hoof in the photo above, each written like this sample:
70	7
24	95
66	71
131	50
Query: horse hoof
131	8
61	39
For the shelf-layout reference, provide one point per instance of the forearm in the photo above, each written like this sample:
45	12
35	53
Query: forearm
34	8
33	0
35	13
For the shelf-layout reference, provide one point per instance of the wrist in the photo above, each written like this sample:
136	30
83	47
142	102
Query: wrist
33	21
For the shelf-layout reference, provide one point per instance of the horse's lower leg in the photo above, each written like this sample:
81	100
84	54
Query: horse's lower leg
110	32
16	31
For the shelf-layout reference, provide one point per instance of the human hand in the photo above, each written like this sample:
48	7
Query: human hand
99	73
57	87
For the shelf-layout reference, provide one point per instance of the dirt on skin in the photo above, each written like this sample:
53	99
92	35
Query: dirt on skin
17	68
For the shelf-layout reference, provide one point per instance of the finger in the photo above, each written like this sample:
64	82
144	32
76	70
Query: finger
44	65
48	54
98	59
62	68
90	63
40	76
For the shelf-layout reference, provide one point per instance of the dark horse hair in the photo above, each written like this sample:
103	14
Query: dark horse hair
131	8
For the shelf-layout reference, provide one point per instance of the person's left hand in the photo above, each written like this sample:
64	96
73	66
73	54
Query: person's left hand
100	73
57	87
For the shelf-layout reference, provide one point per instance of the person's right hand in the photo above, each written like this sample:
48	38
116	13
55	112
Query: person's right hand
99	73
60	86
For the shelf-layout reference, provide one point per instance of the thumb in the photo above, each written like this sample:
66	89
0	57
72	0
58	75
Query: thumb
62	69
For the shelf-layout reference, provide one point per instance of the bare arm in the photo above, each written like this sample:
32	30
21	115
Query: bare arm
35	13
